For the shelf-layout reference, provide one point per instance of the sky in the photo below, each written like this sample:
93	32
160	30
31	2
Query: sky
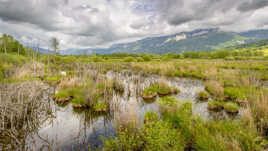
101	23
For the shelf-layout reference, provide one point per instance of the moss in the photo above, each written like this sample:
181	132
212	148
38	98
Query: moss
215	105
231	107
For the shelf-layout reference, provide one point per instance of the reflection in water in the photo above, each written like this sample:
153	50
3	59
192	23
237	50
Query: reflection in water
79	129
73	129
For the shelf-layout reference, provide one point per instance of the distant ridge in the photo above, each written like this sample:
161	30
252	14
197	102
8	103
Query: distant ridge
198	40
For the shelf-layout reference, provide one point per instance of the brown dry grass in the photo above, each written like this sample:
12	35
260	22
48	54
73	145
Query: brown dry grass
259	106
29	70
215	88
22	108
127	119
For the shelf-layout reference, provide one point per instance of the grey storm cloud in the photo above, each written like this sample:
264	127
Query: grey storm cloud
253	4
104	22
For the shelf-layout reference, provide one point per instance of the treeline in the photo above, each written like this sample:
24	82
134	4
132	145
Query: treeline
221	54
10	45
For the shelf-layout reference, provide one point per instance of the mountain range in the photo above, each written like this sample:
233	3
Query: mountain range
198	40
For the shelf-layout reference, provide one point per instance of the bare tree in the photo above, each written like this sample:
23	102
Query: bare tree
5	42
55	44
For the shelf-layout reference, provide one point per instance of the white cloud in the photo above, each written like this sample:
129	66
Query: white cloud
100	23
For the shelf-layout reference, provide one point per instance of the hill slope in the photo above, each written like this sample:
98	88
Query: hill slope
197	40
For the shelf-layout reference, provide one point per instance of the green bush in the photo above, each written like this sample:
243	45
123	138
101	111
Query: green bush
140	59
147	58
129	59
159	136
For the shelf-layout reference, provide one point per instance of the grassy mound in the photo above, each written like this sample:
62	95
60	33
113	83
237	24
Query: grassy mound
160	89
231	107
203	96
215	105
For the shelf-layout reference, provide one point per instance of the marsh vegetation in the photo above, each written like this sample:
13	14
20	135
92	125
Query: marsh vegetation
134	102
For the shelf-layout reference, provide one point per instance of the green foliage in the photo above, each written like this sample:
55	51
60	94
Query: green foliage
146	58
150	117
129	59
12	59
153	137
224	135
9	45
169	101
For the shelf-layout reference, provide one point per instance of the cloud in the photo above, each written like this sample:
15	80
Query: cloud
100	23
253	5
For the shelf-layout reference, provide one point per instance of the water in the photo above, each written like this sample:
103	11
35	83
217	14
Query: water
71	129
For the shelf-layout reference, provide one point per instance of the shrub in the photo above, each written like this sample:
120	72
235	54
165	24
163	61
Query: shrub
159	136
146	58
140	59
129	59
